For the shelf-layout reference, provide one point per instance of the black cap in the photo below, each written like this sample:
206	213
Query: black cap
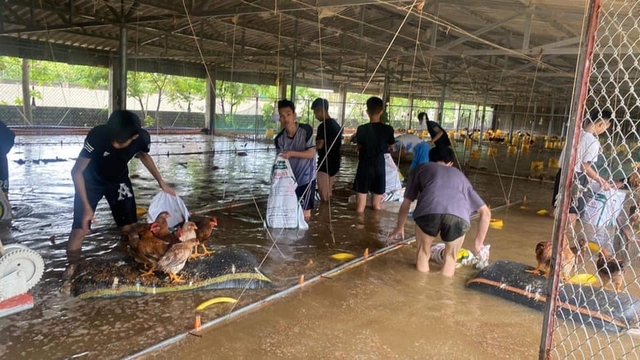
123	124
320	102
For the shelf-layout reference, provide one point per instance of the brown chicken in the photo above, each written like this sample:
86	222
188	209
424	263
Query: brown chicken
161	230
610	270
147	249
187	231
580	252
203	233
175	258
543	256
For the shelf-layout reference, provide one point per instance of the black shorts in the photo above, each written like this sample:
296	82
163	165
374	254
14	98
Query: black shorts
370	177
4	173
329	166
580	204
119	196
305	197
450	227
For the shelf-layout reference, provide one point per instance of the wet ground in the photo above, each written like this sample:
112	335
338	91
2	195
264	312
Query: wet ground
214	177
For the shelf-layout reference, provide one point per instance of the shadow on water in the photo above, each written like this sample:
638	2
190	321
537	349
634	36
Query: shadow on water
213	176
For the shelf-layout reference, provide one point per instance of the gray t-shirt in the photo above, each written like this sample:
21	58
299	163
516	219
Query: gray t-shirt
441	189
303	169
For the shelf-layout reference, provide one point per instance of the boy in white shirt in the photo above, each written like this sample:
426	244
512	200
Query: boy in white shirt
585	171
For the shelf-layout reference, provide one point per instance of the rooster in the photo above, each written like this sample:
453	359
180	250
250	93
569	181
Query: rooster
147	249
173	261
610	270
543	256
203	233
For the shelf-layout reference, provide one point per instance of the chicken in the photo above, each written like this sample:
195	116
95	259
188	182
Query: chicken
187	231
579	252
147	249
610	270
175	258
203	233
161	230
543	256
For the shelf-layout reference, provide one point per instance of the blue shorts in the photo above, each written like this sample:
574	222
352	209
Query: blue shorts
119	196
305	197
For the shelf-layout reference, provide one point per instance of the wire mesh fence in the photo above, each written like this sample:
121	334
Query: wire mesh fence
594	293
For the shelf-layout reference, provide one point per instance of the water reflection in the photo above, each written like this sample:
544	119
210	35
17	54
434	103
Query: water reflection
213	179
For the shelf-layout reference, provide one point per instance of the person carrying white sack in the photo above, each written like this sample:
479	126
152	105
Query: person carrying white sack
446	200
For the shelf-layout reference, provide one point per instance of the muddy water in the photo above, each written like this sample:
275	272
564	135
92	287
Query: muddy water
209	174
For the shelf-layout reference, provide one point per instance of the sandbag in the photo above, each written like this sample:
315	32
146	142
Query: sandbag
283	208
5	208
578	304
392	178
116	275
170	203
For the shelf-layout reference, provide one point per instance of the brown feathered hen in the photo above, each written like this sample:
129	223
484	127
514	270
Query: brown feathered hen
175	258
544	250
147	249
610	270
203	233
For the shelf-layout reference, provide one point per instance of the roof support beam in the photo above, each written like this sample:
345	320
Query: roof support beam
480	31
285	6
527	31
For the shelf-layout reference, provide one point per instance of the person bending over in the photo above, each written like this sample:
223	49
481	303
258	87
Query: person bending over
446	200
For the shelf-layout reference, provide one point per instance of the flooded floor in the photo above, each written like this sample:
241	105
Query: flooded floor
214	177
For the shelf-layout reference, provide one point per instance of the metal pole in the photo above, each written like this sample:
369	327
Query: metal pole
577	111
343	103
294	65
210	106
550	129
410	120
513	120
122	53
484	115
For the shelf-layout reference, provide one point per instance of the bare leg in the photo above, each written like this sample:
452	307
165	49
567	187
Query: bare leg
307	215
75	240
424	250
324	185
376	201
361	202
450	254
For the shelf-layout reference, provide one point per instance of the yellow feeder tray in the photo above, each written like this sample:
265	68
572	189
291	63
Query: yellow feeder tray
342	256
542	212
583	279
475	154
525	148
496	224
269	134
492	151
593	247
467	142
140	211
410	131
523	208
463	254
537	166
553	163
511	149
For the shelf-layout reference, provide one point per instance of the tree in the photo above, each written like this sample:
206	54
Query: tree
185	90
26	94
159	81
229	95
139	87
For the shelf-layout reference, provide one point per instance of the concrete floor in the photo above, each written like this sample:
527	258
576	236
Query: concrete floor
386	309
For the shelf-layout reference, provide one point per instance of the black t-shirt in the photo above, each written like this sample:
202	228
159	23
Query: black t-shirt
7	138
374	140
333	131
443	140
109	165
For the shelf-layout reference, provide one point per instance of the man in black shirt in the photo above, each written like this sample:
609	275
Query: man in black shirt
7	138
329	137
439	137
101	170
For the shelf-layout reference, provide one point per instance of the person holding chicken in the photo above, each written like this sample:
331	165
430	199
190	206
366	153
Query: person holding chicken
101	171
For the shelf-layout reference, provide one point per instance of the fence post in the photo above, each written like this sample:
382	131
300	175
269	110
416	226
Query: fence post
577	110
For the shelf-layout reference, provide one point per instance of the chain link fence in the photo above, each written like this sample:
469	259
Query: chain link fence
594	289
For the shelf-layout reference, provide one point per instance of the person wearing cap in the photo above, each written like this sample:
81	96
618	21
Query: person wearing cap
328	137
101	171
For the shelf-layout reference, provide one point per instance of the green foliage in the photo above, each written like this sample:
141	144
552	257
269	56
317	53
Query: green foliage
184	91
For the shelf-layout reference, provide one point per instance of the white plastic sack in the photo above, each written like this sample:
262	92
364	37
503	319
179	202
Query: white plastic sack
170	203
283	209
5	208
392	179
604	207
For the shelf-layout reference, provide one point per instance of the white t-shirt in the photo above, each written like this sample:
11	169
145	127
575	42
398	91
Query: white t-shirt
588	150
